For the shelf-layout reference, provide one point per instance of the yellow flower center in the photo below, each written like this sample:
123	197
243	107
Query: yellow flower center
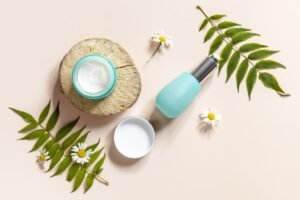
211	116
81	153
42	157
162	39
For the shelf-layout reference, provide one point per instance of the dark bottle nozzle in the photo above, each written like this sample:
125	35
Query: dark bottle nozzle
204	68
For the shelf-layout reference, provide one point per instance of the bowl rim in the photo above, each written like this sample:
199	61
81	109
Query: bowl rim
145	123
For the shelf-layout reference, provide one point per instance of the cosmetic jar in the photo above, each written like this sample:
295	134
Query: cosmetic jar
94	77
134	137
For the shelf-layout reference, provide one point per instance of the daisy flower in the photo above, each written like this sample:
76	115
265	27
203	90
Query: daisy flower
80	154
42	157
210	116
161	39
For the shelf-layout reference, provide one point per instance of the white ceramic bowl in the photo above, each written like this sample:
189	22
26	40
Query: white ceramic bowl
134	137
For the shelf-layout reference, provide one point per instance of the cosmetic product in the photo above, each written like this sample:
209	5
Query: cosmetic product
175	97
134	137
94	77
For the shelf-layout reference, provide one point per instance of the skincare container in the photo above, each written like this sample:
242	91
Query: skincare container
134	137
175	97
94	77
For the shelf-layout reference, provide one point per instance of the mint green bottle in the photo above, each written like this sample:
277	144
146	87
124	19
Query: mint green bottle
175	97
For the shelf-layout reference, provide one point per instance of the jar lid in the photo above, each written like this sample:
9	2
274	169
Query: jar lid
134	137
94	76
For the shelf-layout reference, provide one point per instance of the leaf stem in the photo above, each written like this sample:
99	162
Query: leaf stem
154	53
220	32
98	178
48	132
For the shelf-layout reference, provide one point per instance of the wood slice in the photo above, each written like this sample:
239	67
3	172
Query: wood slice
128	85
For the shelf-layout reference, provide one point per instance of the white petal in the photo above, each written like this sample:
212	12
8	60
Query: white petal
203	115
155	34
156	40
74	154
75	158
75	149
206	120
166	44
89	152
84	146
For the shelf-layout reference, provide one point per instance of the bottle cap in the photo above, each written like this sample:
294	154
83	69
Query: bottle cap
205	67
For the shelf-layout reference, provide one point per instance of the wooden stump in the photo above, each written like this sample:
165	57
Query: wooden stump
128	85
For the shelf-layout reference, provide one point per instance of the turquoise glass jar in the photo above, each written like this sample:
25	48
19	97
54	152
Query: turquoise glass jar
94	77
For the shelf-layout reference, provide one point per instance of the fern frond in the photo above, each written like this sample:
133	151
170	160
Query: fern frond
58	147
251	54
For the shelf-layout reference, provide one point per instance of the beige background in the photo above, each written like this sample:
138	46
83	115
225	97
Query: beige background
252	155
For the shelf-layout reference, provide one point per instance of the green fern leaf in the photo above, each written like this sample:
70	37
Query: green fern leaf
225	54
56	158
94	146
203	24
94	157
241	37
251	47
233	31
73	171
216	44
24	115
44	113
270	81
261	54
89	181
29	127
53	149
42	139
250	81
268	64
213	18
98	165
82	138
65	130
210	33
49	144
72	138
63	165
99	171
53	119
232	64
34	134
241	73
227	24
79	179
217	17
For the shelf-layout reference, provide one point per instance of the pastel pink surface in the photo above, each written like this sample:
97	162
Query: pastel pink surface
253	154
